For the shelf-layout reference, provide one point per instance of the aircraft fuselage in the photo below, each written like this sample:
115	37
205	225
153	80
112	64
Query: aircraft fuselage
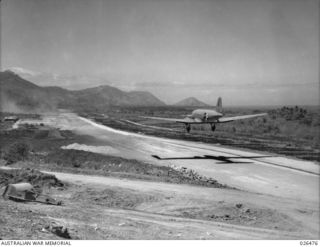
205	115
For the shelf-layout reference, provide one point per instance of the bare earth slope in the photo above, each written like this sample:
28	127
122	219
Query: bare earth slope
161	206
111	208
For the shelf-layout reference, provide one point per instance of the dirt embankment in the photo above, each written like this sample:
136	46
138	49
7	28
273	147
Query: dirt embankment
91	163
245	214
38	179
116	211
24	220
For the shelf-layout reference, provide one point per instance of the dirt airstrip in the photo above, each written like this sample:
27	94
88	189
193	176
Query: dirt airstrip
111	197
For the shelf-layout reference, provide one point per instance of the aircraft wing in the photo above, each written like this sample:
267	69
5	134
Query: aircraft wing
177	120
229	119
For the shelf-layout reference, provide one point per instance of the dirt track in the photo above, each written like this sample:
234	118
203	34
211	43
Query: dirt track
166	203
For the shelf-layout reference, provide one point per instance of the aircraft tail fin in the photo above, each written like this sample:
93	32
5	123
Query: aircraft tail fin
219	105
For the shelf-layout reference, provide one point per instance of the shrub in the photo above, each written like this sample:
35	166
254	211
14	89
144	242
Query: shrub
16	152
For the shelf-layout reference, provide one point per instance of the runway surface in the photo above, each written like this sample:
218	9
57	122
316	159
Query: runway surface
274	175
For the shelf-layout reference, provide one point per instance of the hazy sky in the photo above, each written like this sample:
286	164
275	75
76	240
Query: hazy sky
247	51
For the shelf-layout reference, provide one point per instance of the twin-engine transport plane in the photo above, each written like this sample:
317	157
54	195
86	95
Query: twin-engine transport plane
207	116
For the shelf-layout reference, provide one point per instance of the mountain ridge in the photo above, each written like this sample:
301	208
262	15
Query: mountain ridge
27	95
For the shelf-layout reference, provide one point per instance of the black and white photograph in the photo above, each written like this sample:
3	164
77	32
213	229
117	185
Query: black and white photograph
159	120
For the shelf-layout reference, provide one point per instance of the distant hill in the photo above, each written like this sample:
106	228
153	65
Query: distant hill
21	94
67	81
111	96
18	94
191	101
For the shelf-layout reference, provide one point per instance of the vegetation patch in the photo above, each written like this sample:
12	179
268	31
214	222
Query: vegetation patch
17	151
257	217
117	197
292	131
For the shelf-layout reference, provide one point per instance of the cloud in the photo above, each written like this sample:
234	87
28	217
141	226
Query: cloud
209	85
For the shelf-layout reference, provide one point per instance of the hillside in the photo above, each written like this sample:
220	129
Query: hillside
191	101
18	94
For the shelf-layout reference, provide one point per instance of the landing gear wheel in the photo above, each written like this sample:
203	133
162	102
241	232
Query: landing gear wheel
188	128
213	127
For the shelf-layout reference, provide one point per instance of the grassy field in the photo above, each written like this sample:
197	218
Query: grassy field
292	131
